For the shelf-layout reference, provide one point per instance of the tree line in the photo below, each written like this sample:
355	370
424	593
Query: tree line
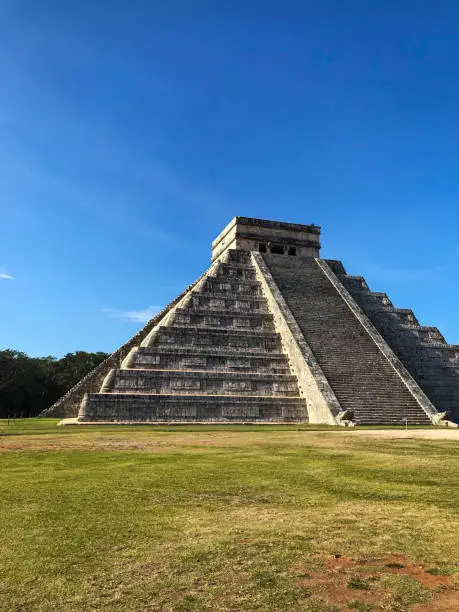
28	385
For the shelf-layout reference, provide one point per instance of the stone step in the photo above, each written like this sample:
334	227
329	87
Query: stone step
191	408
384	419
191	382
398	413
169	357
428	335
405	315
440	349
237	256
357	371
357	283
379	404
215	284
382	394
337	267
238	271
422	350
362	361
219	338
378	400
241	265
371	299
223	301
223	320
381	420
227	312
401	412
369	410
377	378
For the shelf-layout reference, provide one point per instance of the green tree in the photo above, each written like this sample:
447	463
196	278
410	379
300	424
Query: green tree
28	385
73	366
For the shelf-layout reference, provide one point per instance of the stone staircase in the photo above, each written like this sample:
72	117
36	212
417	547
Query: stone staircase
217	358
272	333
432	362
361	377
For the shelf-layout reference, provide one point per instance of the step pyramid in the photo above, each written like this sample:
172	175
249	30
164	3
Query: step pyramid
271	333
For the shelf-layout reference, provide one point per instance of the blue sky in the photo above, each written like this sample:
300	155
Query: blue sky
132	132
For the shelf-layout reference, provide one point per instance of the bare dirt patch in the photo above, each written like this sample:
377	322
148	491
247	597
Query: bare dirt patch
148	440
97	441
444	601
347	582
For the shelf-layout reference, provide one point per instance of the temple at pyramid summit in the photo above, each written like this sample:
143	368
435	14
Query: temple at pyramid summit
272	333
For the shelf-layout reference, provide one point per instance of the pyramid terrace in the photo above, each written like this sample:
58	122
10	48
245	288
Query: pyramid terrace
272	333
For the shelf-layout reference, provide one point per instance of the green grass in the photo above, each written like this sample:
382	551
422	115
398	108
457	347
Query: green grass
241	518
440	571
355	604
358	583
38	425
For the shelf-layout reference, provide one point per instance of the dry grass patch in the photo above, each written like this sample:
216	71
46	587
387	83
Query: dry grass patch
140	519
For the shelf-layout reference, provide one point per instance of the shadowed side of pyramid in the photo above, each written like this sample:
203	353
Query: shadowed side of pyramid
362	377
423	350
271	333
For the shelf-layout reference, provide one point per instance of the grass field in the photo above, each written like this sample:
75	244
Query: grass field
144	518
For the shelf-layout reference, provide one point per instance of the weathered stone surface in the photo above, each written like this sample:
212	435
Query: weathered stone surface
271	333
360	374
162	357
322	404
204	381
246	234
69	404
167	408
422	350
216	357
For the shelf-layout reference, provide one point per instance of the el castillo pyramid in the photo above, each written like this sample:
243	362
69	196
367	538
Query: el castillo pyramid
272	333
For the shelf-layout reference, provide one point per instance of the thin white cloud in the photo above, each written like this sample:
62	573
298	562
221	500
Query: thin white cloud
135	316
6	276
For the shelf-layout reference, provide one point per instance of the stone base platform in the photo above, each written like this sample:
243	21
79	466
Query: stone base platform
75	421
